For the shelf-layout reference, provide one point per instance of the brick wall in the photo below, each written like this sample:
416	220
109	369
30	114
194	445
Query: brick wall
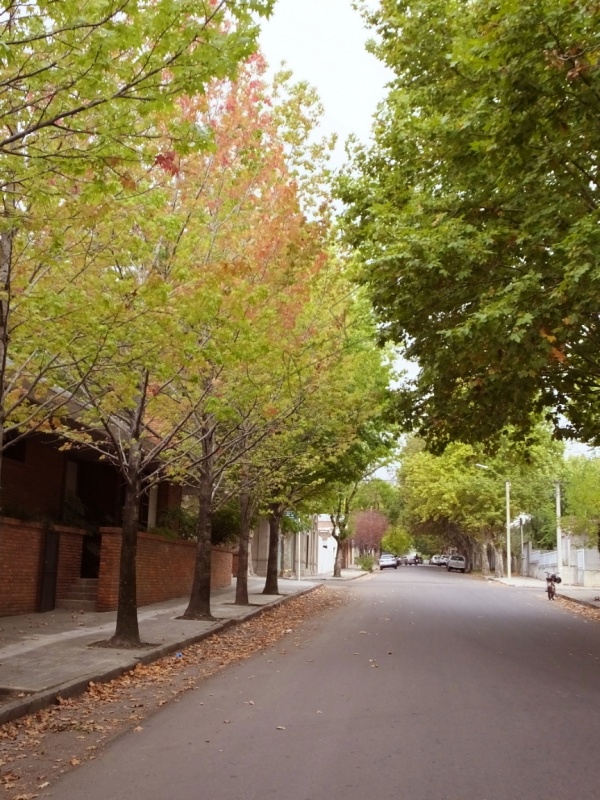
108	575
69	559
21	561
165	569
21	547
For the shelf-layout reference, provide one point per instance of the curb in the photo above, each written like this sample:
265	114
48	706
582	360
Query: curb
46	697
560	595
343	580
584	603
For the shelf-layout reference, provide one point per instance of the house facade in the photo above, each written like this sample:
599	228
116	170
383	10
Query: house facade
60	535
311	552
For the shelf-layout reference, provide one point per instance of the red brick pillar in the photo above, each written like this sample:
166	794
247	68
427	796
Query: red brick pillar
108	575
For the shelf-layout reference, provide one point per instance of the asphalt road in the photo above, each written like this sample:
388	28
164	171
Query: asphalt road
426	686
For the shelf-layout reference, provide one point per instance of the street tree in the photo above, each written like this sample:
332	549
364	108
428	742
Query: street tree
581	494
253	236
82	87
459	504
475	213
397	541
368	530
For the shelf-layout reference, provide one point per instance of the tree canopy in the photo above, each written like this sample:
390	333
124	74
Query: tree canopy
453	501
475	214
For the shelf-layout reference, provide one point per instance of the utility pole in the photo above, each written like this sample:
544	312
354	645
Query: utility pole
508	553
298	555
559	557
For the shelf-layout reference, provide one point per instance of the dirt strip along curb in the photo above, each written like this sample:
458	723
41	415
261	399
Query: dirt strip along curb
46	697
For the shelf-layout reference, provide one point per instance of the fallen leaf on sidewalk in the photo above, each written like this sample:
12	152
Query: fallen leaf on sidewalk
280	728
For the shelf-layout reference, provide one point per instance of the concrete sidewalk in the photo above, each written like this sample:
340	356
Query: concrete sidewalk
46	655
579	594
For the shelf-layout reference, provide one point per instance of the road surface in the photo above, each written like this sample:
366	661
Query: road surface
426	686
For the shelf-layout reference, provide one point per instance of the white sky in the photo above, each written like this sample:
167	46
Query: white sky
323	42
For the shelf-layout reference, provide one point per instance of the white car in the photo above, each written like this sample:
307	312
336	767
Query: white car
435	560
387	560
457	562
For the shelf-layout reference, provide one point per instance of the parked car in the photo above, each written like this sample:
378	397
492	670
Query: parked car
457	562
387	560
402	561
435	560
443	562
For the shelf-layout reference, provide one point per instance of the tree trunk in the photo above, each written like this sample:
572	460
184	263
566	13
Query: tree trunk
127	633
199	604
499	559
271	584
7	237
337	564
241	586
485	562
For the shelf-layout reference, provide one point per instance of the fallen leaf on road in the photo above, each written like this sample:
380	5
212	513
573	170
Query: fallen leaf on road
138	729
53	737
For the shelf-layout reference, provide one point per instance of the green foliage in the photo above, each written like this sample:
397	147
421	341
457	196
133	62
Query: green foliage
475	214
581	498
448	500
226	524
182	523
398	541
102	73
293	523
378	495
179	523
366	562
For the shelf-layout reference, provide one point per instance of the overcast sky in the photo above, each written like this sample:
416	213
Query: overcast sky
323	42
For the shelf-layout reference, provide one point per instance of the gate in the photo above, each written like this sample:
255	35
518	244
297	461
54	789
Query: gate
49	570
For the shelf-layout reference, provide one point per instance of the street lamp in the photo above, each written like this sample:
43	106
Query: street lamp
507	487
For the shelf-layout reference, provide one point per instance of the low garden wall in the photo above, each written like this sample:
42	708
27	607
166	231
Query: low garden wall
165	568
22	563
